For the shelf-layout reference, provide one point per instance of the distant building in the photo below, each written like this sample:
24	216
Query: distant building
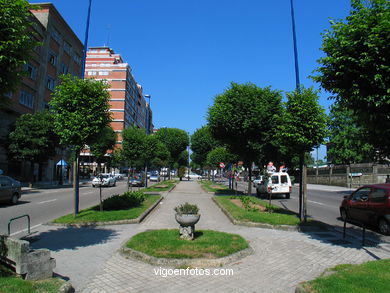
127	103
60	53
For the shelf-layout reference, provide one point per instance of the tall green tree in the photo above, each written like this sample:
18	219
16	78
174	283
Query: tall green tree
176	141
347	140
33	139
202	142
244	118
356	67
81	110
303	126
16	43
103	142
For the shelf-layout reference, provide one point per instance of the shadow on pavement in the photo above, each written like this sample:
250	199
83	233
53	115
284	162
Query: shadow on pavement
70	238
5	205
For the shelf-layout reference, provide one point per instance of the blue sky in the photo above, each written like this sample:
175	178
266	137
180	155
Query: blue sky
184	53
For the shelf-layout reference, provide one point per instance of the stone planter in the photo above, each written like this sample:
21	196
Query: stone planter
187	225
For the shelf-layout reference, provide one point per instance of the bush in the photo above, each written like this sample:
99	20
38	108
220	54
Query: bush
187	209
125	201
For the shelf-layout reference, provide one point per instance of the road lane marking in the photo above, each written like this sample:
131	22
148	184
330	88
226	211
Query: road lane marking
320	203
46	201
24	230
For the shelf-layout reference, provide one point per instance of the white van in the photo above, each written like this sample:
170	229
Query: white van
277	183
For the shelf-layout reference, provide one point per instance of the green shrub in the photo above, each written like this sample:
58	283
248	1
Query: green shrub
124	201
187	209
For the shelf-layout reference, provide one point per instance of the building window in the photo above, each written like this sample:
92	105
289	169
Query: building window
64	68
26	99
50	83
52	58
67	48
31	71
56	35
103	72
92	73
77	58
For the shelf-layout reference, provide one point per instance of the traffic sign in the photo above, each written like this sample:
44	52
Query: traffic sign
221	165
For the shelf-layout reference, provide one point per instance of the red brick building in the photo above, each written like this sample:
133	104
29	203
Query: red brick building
61	52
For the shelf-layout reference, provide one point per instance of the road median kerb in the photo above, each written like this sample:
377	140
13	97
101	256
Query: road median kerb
119	222
181	262
265	225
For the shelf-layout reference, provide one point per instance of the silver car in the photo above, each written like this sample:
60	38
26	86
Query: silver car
10	189
103	180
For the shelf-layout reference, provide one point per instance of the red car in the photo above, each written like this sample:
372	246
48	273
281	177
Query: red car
369	204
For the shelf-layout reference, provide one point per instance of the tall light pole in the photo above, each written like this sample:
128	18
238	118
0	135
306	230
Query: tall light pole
302	192
148	115
76	179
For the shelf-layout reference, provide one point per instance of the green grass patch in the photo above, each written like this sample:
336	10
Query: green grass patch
94	215
167	244
10	283
217	188
369	277
161	186
277	216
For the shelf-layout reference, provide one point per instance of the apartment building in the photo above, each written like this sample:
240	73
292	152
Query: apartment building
127	103
60	53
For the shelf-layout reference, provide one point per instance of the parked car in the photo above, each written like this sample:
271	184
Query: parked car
137	180
10	189
257	180
277	183
154	178
104	180
370	205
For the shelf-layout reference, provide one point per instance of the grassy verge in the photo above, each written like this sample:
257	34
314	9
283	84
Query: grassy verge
10	283
93	215
167	244
161	186
278	216
369	277
217	188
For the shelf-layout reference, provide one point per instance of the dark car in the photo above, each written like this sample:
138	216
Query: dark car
370	205
137	180
10	189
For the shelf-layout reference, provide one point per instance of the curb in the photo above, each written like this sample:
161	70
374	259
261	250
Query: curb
120	222
66	288
264	225
189	262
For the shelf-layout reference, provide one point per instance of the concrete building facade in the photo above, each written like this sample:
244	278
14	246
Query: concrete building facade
60	53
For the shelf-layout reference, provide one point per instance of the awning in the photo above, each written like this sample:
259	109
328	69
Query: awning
61	163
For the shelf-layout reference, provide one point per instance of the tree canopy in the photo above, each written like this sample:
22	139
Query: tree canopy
347	140
244	118
81	110
202	143
16	43
356	68
33	138
218	155
103	142
176	141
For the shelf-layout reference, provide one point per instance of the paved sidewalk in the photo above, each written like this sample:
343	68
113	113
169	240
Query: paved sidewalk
281	259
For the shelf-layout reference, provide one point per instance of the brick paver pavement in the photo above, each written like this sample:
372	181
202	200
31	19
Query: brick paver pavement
281	259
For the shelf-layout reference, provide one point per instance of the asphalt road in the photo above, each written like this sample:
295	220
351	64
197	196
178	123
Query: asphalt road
322	205
45	205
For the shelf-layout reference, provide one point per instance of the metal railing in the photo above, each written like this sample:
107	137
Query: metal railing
13	219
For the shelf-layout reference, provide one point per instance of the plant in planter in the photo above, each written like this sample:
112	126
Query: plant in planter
187	216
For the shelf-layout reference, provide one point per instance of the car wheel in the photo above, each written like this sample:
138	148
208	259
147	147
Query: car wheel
14	199
343	214
287	195
384	226
93	186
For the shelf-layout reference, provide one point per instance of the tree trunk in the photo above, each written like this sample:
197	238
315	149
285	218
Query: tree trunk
146	175
250	180
301	163
304	190
76	183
